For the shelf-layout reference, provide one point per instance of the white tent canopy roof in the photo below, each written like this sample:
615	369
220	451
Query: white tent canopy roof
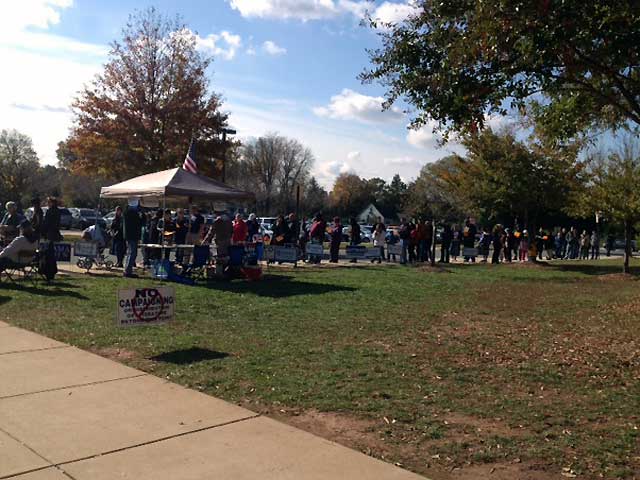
176	183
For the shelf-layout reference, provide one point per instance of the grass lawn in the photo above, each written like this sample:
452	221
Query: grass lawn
508	372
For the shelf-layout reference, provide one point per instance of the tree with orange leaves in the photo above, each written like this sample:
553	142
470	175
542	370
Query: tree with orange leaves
140	113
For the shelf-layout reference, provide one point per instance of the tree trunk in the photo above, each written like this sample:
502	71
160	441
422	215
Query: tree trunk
628	231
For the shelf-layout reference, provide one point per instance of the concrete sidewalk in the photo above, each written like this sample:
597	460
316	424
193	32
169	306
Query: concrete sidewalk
66	413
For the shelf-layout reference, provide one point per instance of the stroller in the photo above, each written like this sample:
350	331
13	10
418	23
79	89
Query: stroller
103	240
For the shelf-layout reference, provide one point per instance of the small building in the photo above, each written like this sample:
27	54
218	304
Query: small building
369	215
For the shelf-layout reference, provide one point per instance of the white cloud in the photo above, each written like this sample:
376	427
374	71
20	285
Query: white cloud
224	44
283	9
273	49
354	156
424	137
392	13
251	51
350	105
17	16
306	10
401	161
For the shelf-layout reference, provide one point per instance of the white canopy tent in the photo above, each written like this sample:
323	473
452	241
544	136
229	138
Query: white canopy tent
175	184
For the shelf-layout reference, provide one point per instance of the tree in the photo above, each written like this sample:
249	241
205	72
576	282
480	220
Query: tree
394	197
315	198
275	165
612	191
436	193
296	163
18	165
508	181
140	114
457	61
349	195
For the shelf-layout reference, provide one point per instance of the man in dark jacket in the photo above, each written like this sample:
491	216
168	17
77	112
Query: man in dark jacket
51	223
132	233
37	220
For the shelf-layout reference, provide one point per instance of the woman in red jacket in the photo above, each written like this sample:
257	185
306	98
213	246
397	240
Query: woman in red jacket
240	231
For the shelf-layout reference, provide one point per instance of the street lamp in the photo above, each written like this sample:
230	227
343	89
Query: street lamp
225	132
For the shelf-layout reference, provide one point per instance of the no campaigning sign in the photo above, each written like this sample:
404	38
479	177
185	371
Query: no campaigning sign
146	306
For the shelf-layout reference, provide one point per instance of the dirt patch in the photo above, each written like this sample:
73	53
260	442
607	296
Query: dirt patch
116	354
616	277
502	471
484	426
367	436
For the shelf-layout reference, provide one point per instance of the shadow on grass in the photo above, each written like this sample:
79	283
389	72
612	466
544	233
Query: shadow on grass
591	269
189	356
50	290
4	300
278	286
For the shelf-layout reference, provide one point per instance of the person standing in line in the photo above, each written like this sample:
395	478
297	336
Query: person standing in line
610	243
336	238
445	246
132	232
413	242
379	238
37	220
420	240
568	240
595	246
182	229
496	240
240	231
405	237
391	239
303	239
118	245
51	223
560	243
549	245
540	242
508	245
485	244
355	238
253	228
428	242
524	246
167	232
585	245
280	231
456	242
317	233
196	227
469	239
293	229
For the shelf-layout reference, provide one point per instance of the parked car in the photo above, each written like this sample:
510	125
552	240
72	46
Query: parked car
88	217
619	244
267	222
66	219
108	218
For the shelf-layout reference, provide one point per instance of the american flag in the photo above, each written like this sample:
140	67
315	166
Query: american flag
190	161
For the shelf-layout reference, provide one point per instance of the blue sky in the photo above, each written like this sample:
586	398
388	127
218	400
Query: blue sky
286	66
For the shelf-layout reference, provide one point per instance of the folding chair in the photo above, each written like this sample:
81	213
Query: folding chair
201	257
26	268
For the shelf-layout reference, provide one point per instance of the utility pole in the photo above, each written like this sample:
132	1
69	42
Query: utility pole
225	131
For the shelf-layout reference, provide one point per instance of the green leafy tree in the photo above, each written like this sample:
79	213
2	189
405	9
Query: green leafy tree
18	167
436	194
394	197
509	182
458	60
612	190
315	198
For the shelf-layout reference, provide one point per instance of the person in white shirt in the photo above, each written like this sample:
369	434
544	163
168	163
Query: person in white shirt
379	238
22	247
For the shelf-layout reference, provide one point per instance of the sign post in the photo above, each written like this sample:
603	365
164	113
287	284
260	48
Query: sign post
146	306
